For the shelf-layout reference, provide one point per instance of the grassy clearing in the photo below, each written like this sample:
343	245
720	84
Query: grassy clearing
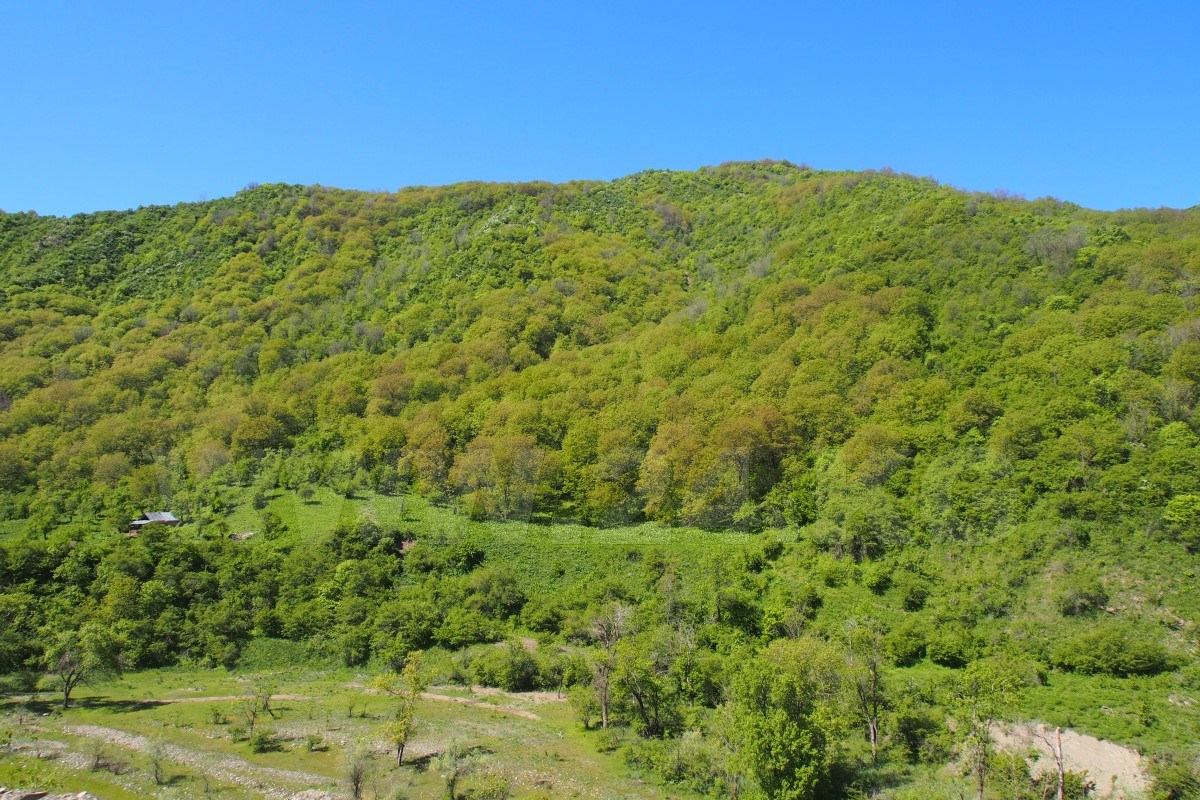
546	555
190	716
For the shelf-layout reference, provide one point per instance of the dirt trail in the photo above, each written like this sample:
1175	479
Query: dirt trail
224	768
536	698
1116	770
218	698
466	701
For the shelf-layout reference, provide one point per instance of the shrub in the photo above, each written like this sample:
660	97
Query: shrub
950	646
905	643
1076	785
265	741
1113	649
1079	593
585	705
912	590
1173	777
922	734
543	614
463	627
491	786
511	667
877	577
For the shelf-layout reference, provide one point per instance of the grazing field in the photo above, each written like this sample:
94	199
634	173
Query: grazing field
192	725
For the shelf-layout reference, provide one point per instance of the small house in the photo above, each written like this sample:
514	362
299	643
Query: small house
164	517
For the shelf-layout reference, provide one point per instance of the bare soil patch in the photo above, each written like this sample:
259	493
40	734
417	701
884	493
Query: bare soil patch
1115	769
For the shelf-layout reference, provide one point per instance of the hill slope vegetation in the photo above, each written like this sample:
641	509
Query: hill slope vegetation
957	430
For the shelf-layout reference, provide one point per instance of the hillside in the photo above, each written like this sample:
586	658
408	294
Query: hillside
804	407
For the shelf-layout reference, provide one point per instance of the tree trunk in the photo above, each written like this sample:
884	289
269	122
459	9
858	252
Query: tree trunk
1058	761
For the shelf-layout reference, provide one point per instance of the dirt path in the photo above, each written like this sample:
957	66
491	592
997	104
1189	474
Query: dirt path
466	701
219	698
1116	770
537	698
223	768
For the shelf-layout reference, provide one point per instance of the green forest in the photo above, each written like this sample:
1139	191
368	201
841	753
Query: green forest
800	479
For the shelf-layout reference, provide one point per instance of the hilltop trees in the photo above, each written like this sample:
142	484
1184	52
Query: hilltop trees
540	351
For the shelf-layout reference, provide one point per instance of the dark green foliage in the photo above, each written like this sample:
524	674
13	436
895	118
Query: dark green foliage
1079	593
921	733
1112	649
950	645
265	741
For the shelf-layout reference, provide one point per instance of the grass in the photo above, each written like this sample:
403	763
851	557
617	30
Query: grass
1152	713
545	757
548	556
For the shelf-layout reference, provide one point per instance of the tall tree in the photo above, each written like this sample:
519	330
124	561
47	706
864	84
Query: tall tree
78	656
984	694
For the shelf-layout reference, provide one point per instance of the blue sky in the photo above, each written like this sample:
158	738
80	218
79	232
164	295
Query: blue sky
116	105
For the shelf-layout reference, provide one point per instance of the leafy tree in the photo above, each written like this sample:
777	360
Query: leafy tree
784	735
407	687
76	656
608	628
865	676
985	694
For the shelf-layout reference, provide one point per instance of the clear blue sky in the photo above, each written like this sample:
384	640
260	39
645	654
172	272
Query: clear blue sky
116	105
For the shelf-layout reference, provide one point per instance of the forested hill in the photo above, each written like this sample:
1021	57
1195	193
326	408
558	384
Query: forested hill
926	429
756	344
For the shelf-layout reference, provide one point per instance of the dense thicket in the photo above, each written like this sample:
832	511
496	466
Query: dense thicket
957	398
749	345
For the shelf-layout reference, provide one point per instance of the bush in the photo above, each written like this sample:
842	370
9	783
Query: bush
585	705
265	741
905	643
912	590
1076	785
511	667
922	735
1173	776
691	760
950	646
542	614
877	577
491	786
1079	593
463	627
1114	649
